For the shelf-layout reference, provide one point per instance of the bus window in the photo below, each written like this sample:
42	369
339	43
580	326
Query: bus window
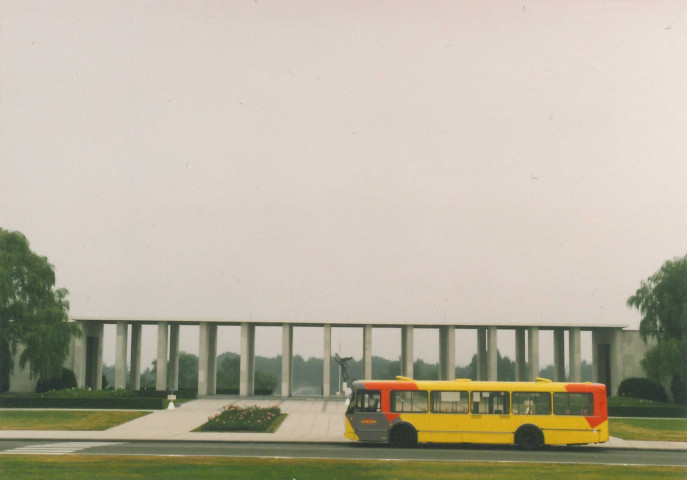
573	404
449	402
490	402
408	401
531	403
365	401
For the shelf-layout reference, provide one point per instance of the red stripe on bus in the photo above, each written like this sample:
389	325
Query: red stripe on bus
392	416
382	385
585	388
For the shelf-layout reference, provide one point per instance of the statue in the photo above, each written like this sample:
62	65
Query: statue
343	368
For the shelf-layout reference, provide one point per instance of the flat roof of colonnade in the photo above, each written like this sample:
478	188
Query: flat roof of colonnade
544	325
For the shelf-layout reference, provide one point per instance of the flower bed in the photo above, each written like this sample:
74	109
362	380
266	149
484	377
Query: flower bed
234	418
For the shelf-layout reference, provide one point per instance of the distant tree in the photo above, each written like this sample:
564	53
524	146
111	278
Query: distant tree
505	368
188	370
149	377
662	302
466	371
32	312
380	367
108	375
228	372
392	369
546	372
425	371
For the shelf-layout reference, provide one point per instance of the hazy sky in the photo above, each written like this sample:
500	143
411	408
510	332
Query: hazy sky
454	161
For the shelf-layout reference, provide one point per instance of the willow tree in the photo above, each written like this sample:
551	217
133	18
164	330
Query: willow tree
33	313
662	302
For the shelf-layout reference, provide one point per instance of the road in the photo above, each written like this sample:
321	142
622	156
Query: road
452	453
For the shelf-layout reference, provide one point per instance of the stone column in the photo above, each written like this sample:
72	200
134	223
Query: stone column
520	356
407	354
212	359
559	355
203	358
98	360
327	362
492	354
173	367
533	351
80	359
447	353
574	355
88	359
162	342
482	354
367	352
135	363
247	361
616	359
595	355
286	360
120	356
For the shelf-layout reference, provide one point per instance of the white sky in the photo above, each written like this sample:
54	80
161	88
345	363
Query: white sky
346	160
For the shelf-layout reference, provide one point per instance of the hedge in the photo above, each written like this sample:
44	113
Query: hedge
184	393
140	403
667	411
235	391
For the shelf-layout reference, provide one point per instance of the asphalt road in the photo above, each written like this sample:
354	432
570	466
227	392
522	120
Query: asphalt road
450	453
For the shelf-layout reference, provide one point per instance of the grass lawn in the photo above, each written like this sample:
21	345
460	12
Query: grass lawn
658	429
65	419
21	467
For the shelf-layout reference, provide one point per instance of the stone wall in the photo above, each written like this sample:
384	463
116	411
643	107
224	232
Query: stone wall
20	380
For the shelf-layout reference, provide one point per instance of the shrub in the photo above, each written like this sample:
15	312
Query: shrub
67	379
642	388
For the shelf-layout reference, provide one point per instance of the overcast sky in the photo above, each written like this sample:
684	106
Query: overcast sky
458	161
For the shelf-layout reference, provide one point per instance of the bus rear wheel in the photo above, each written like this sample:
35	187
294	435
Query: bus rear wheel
529	437
403	436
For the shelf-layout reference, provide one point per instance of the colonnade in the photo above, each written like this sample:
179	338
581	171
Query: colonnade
88	354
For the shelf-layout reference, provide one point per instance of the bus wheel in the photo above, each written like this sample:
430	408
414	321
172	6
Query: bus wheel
403	436
529	437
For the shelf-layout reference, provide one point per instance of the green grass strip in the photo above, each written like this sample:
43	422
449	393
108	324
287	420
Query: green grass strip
22	467
80	420
650	429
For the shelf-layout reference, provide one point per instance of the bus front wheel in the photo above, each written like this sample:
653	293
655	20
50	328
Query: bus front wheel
529	437
403	436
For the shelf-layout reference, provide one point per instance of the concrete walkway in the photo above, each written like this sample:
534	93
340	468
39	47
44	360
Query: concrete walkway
308	420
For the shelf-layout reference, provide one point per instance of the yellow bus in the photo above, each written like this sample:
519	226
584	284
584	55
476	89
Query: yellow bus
406	412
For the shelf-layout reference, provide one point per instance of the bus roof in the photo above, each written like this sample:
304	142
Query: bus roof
540	384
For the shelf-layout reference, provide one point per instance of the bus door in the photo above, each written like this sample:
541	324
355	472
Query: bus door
490	420
365	416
